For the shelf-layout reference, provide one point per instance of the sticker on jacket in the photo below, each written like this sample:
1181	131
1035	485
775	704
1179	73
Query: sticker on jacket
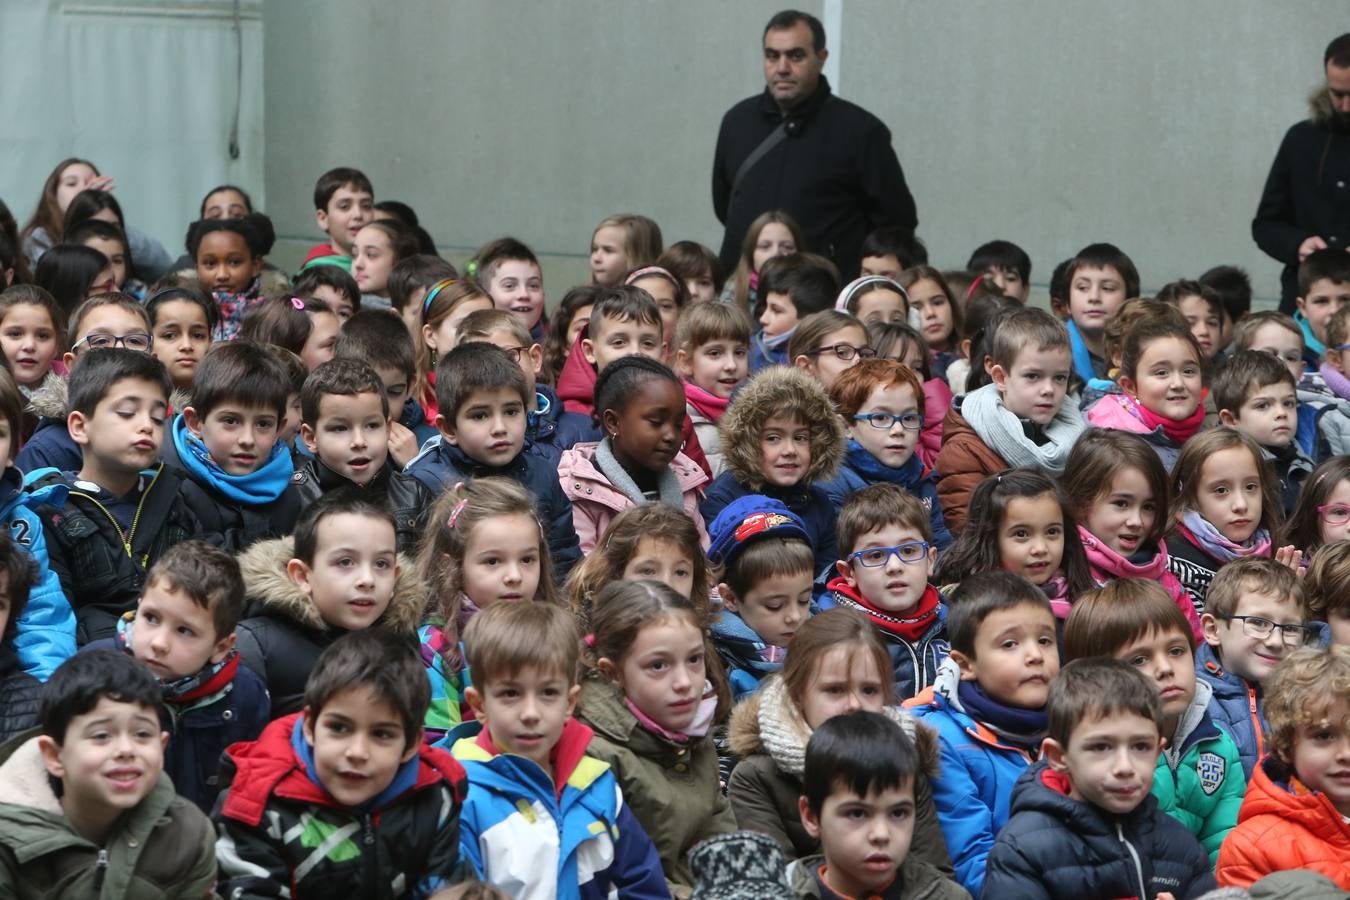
1211	770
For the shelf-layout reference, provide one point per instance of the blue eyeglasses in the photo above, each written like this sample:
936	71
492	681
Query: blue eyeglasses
909	552
887	421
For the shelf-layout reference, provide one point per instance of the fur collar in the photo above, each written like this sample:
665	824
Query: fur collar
776	390
51	399
23	780
1323	114
263	566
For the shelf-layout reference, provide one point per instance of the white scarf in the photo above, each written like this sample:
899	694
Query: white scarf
1002	431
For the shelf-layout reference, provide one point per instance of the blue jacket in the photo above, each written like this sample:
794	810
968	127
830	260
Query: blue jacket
553	429
526	838
738	646
414	418
441	466
913	476
46	630
50	447
974	785
1236	707
915	664
808	501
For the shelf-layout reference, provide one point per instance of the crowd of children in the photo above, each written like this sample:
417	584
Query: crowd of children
380	581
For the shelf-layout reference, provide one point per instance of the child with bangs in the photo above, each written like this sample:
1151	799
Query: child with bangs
669	294
940	316
229	255
1099	278
764	558
882	405
712	343
1323	512
622	243
624	321
444	305
904	344
1327	583
1256	396
343	205
1198	780
697	266
380	341
1006	265
509	271
828	343
1203	310
1022	418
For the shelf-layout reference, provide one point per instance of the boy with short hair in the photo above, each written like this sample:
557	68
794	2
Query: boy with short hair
549	429
1296	814
123	508
483	396
85	808
1198	779
1323	288
1006	265
890	250
988	708
712	347
625	321
343	796
183	632
104	320
226	444
510	273
530	780
1083	822
887	555
341	572
343	205
1327	583
378	339
1098	280
409	281
1022	418
858	801
1255	615
345	425
332	284
788	291
764	554
1256	395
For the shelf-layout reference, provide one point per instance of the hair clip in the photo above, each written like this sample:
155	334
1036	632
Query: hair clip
454	513
471	268
298	303
589	641
433	291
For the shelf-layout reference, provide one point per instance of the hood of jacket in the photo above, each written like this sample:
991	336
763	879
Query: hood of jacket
578	462
576	381
266	583
1323	114
51	400
775	391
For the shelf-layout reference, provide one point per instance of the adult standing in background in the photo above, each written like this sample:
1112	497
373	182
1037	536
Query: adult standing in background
1306	203
799	148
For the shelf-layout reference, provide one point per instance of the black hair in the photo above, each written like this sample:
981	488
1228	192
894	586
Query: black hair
79	683
248	201
1328	264
1100	256
790	17
408	216
1338	51
1001	255
860	752
616	384
20	573
254	228
892	240
421	270
1059	282
87	204
96	372
185	294
379	661
327	275
476	366
344	377
345	500
330	181
67	272
9	259
812	288
378	339
978	596
98	229
1234	288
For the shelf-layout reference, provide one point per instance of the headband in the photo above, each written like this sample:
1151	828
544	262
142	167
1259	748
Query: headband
858	285
651	270
433	291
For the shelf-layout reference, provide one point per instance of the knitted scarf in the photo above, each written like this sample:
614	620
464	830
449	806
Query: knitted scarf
907	628
1002	431
708	405
1179	430
232	309
784	733
873	470
261	486
1198	530
668	485
1339	384
213	680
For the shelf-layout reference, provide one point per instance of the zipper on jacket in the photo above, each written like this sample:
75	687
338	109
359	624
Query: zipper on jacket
100	868
1256	723
1134	855
128	537
367	831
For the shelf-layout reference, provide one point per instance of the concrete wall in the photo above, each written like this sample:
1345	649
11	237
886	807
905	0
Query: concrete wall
1151	124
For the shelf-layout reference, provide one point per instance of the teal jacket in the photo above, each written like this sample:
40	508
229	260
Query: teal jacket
1199	780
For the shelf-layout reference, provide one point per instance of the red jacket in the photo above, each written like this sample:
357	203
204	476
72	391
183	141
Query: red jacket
1283	825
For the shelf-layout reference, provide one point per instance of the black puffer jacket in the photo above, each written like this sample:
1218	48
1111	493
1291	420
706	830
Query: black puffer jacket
836	173
1307	192
283	634
102	569
20	696
409	500
1057	847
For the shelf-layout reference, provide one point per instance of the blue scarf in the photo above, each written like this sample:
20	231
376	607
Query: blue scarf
254	489
749	648
1309	339
1082	361
404	778
773	350
873	470
1023	728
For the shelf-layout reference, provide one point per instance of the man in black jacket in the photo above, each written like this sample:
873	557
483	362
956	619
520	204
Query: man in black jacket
1306	203
799	148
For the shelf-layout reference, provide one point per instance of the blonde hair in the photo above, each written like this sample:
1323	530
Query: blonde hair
1301	692
494	647
642	241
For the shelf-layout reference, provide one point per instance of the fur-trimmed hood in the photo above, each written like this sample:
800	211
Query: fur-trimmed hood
267	585
774	391
1323	114
51	400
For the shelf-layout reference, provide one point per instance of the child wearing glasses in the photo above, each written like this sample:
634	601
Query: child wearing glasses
1322	515
886	558
882	404
1019	420
1255	615
827	344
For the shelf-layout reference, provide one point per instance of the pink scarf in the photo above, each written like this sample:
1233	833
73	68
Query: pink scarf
1179	430
1057	591
697	728
1106	564
708	405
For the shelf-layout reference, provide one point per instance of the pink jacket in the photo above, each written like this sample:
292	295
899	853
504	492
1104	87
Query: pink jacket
937	399
1106	565
595	502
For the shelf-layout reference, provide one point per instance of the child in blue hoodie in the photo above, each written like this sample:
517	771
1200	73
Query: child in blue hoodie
236	471
766	581
881	403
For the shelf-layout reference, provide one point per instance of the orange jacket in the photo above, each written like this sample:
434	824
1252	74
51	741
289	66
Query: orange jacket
1284	826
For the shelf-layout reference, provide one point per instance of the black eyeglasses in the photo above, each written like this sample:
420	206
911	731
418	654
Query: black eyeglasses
101	340
1261	628
845	352
515	352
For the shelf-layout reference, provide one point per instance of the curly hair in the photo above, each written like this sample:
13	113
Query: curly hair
1303	690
